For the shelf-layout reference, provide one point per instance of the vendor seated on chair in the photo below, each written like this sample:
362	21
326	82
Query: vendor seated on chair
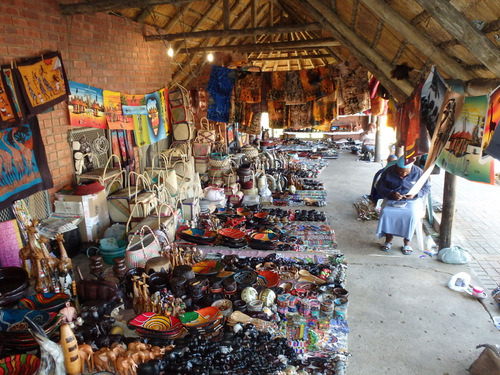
401	212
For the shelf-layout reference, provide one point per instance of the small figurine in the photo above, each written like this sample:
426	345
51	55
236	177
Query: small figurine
69	313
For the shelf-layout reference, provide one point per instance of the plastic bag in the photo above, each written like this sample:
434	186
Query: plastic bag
454	255
116	231
459	282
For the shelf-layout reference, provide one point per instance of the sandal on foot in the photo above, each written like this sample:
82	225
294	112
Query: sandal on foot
406	250
386	247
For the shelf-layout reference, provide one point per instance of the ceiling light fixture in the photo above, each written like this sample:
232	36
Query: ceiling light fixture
170	52
210	57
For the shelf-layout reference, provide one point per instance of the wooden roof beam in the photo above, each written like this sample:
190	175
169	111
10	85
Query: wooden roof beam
416	38
233	33
462	29
298	44
90	7
299	57
367	57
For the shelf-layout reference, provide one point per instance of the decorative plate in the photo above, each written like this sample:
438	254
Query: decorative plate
201	317
197	232
19	364
44	301
156	322
208	267
12	320
233	233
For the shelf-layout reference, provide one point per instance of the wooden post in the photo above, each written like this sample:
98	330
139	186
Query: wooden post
378	139
448	213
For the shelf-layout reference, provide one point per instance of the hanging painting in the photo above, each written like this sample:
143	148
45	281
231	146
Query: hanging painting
24	168
141	131
432	96
156	126
162	94
114	113
9	116
14	92
132	105
42	82
86	106
491	138
461	155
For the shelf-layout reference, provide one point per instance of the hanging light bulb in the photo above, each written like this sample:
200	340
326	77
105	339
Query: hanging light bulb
170	52
210	57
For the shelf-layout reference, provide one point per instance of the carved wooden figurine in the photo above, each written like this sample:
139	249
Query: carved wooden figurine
125	366
65	264
86	354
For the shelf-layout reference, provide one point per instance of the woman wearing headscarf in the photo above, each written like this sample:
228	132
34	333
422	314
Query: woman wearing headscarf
401	211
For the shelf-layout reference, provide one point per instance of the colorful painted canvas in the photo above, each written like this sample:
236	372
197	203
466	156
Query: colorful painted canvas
86	106
24	168
113	110
14	92
461	155
134	104
9	116
491	139
156	126
141	131
410	126
432	96
42	82
162	94
11	244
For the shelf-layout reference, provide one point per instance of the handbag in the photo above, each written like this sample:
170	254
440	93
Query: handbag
137	254
183	131
218	158
201	149
205	134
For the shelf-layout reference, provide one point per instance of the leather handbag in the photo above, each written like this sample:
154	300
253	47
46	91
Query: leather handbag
137	254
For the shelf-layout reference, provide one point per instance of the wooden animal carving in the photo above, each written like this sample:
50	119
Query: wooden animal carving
86	354
125	366
102	359
138	345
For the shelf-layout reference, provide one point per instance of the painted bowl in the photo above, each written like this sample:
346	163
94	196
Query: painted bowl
19	364
14	284
232	233
261	215
201	317
44	301
268	278
243	211
208	267
197	232
264	237
156	322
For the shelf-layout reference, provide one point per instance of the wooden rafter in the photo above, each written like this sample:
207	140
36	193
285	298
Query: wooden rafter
145	12
492	27
354	16
449	43
367	57
421	17
417	38
251	47
376	39
90	7
398	54
226	15
232	33
457	25
175	19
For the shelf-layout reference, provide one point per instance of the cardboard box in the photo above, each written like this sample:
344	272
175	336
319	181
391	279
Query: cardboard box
93	208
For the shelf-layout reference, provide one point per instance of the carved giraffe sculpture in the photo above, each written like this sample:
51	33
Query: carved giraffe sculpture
65	264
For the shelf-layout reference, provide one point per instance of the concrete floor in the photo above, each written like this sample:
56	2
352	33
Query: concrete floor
402	316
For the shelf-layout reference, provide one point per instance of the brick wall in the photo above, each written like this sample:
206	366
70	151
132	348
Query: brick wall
101	50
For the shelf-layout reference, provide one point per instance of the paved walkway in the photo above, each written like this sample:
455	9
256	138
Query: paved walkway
477	225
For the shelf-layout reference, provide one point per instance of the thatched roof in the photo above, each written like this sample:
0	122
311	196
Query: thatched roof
460	37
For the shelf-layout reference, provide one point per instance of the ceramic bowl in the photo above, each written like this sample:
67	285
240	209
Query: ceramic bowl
261	215
44	301
200	317
19	364
156	322
268	278
232	233
249	294
208	267
224	305
197	232
243	211
265	237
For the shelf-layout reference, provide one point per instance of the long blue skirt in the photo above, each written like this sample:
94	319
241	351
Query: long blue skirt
399	221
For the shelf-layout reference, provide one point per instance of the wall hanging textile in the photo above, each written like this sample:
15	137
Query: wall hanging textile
462	154
492	147
294	91
132	105
354	85
11	244
162	95
300	115
86	106
378	104
219	108
311	82
277	91
276	114
220	87
410	126
9	115
433	92
42	82
251	87
113	111
25	170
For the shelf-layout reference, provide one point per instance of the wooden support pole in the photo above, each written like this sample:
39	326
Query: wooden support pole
378	139
448	213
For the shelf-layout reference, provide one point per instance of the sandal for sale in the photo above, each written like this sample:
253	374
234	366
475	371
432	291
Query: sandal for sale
386	247
406	250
